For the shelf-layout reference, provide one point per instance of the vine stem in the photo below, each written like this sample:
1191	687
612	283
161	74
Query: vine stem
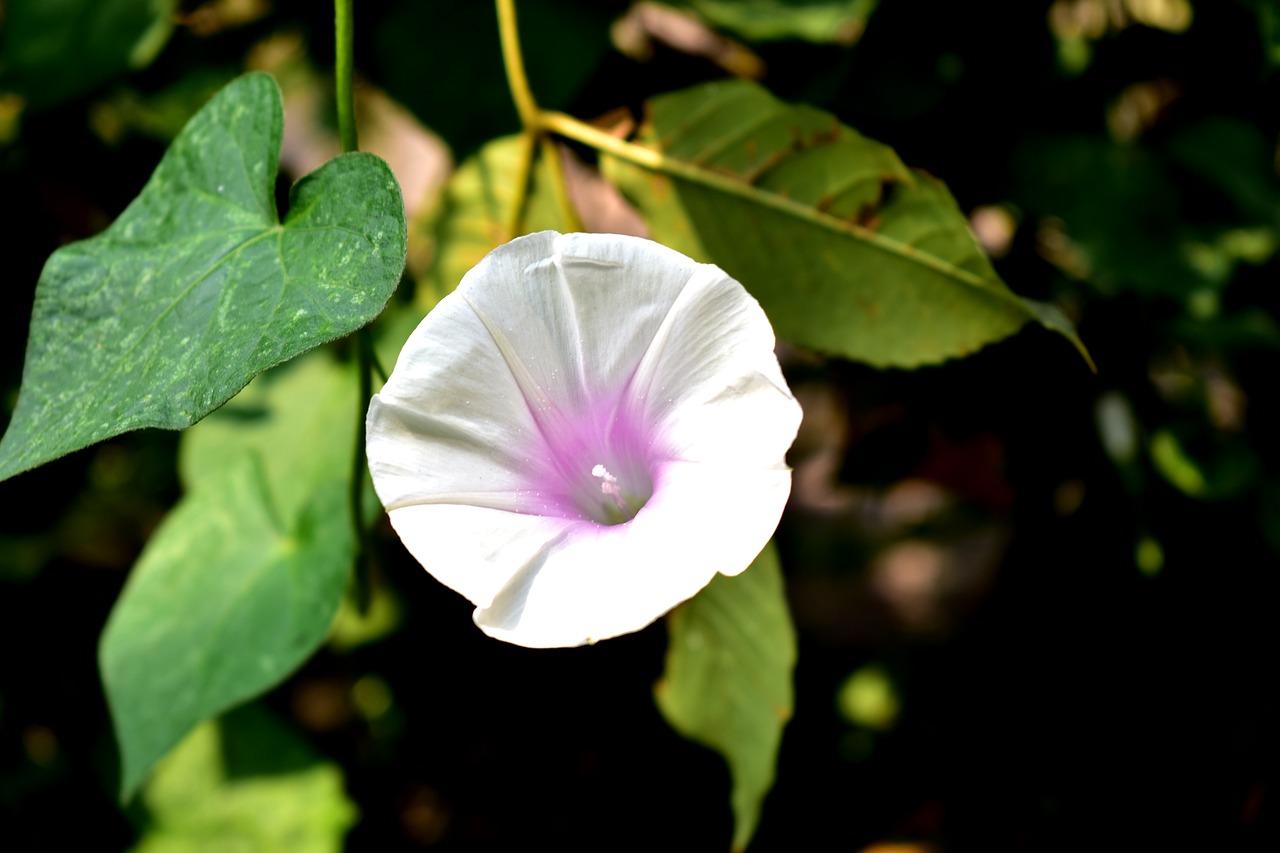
344	78
538	140
513	61
344	73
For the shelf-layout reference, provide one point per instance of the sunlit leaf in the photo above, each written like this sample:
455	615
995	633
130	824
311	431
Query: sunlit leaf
727	683
847	250
197	286
300	420
477	209
245	782
56	49
241	582
822	21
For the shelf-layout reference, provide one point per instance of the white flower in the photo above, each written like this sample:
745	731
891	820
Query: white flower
583	434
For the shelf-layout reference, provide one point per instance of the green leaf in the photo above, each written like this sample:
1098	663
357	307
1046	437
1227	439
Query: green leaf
476	212
274	467
847	250
245	782
299	420
727	683
56	49
227	599
198	287
821	21
241	582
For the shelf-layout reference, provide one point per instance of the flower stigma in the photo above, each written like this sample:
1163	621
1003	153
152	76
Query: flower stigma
618	509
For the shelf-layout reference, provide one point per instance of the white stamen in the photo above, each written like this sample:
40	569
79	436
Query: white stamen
609	486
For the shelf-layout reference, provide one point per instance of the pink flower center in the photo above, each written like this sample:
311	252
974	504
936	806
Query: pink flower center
598	466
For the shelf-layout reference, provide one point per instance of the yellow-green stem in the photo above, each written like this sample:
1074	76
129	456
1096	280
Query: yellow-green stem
513	60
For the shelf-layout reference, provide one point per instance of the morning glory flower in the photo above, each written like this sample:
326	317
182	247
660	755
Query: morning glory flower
583	434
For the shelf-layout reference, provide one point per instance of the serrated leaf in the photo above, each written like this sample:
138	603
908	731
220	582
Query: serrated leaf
245	782
847	250
728	679
198	286
57	49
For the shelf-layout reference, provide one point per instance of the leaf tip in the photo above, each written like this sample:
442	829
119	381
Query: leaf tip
1052	318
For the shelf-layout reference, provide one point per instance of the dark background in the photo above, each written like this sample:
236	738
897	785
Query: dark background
1053	695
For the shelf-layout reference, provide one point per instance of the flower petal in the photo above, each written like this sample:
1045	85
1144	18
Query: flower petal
711	380
599	582
598	299
438	434
475	550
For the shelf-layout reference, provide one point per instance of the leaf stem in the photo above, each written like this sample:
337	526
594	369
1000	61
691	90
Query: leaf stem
344	73
377	365
363	577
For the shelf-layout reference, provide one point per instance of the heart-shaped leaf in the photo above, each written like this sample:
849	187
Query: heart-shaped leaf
198	286
241	582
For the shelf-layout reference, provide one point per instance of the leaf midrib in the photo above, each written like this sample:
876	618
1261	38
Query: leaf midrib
654	160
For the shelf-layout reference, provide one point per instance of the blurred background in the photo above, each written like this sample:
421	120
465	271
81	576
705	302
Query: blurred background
1034	603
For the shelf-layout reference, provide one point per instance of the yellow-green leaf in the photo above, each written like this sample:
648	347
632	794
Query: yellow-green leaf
245	782
847	250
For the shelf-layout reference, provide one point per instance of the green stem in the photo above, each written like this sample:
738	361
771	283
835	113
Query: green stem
377	365
344	73
363	576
